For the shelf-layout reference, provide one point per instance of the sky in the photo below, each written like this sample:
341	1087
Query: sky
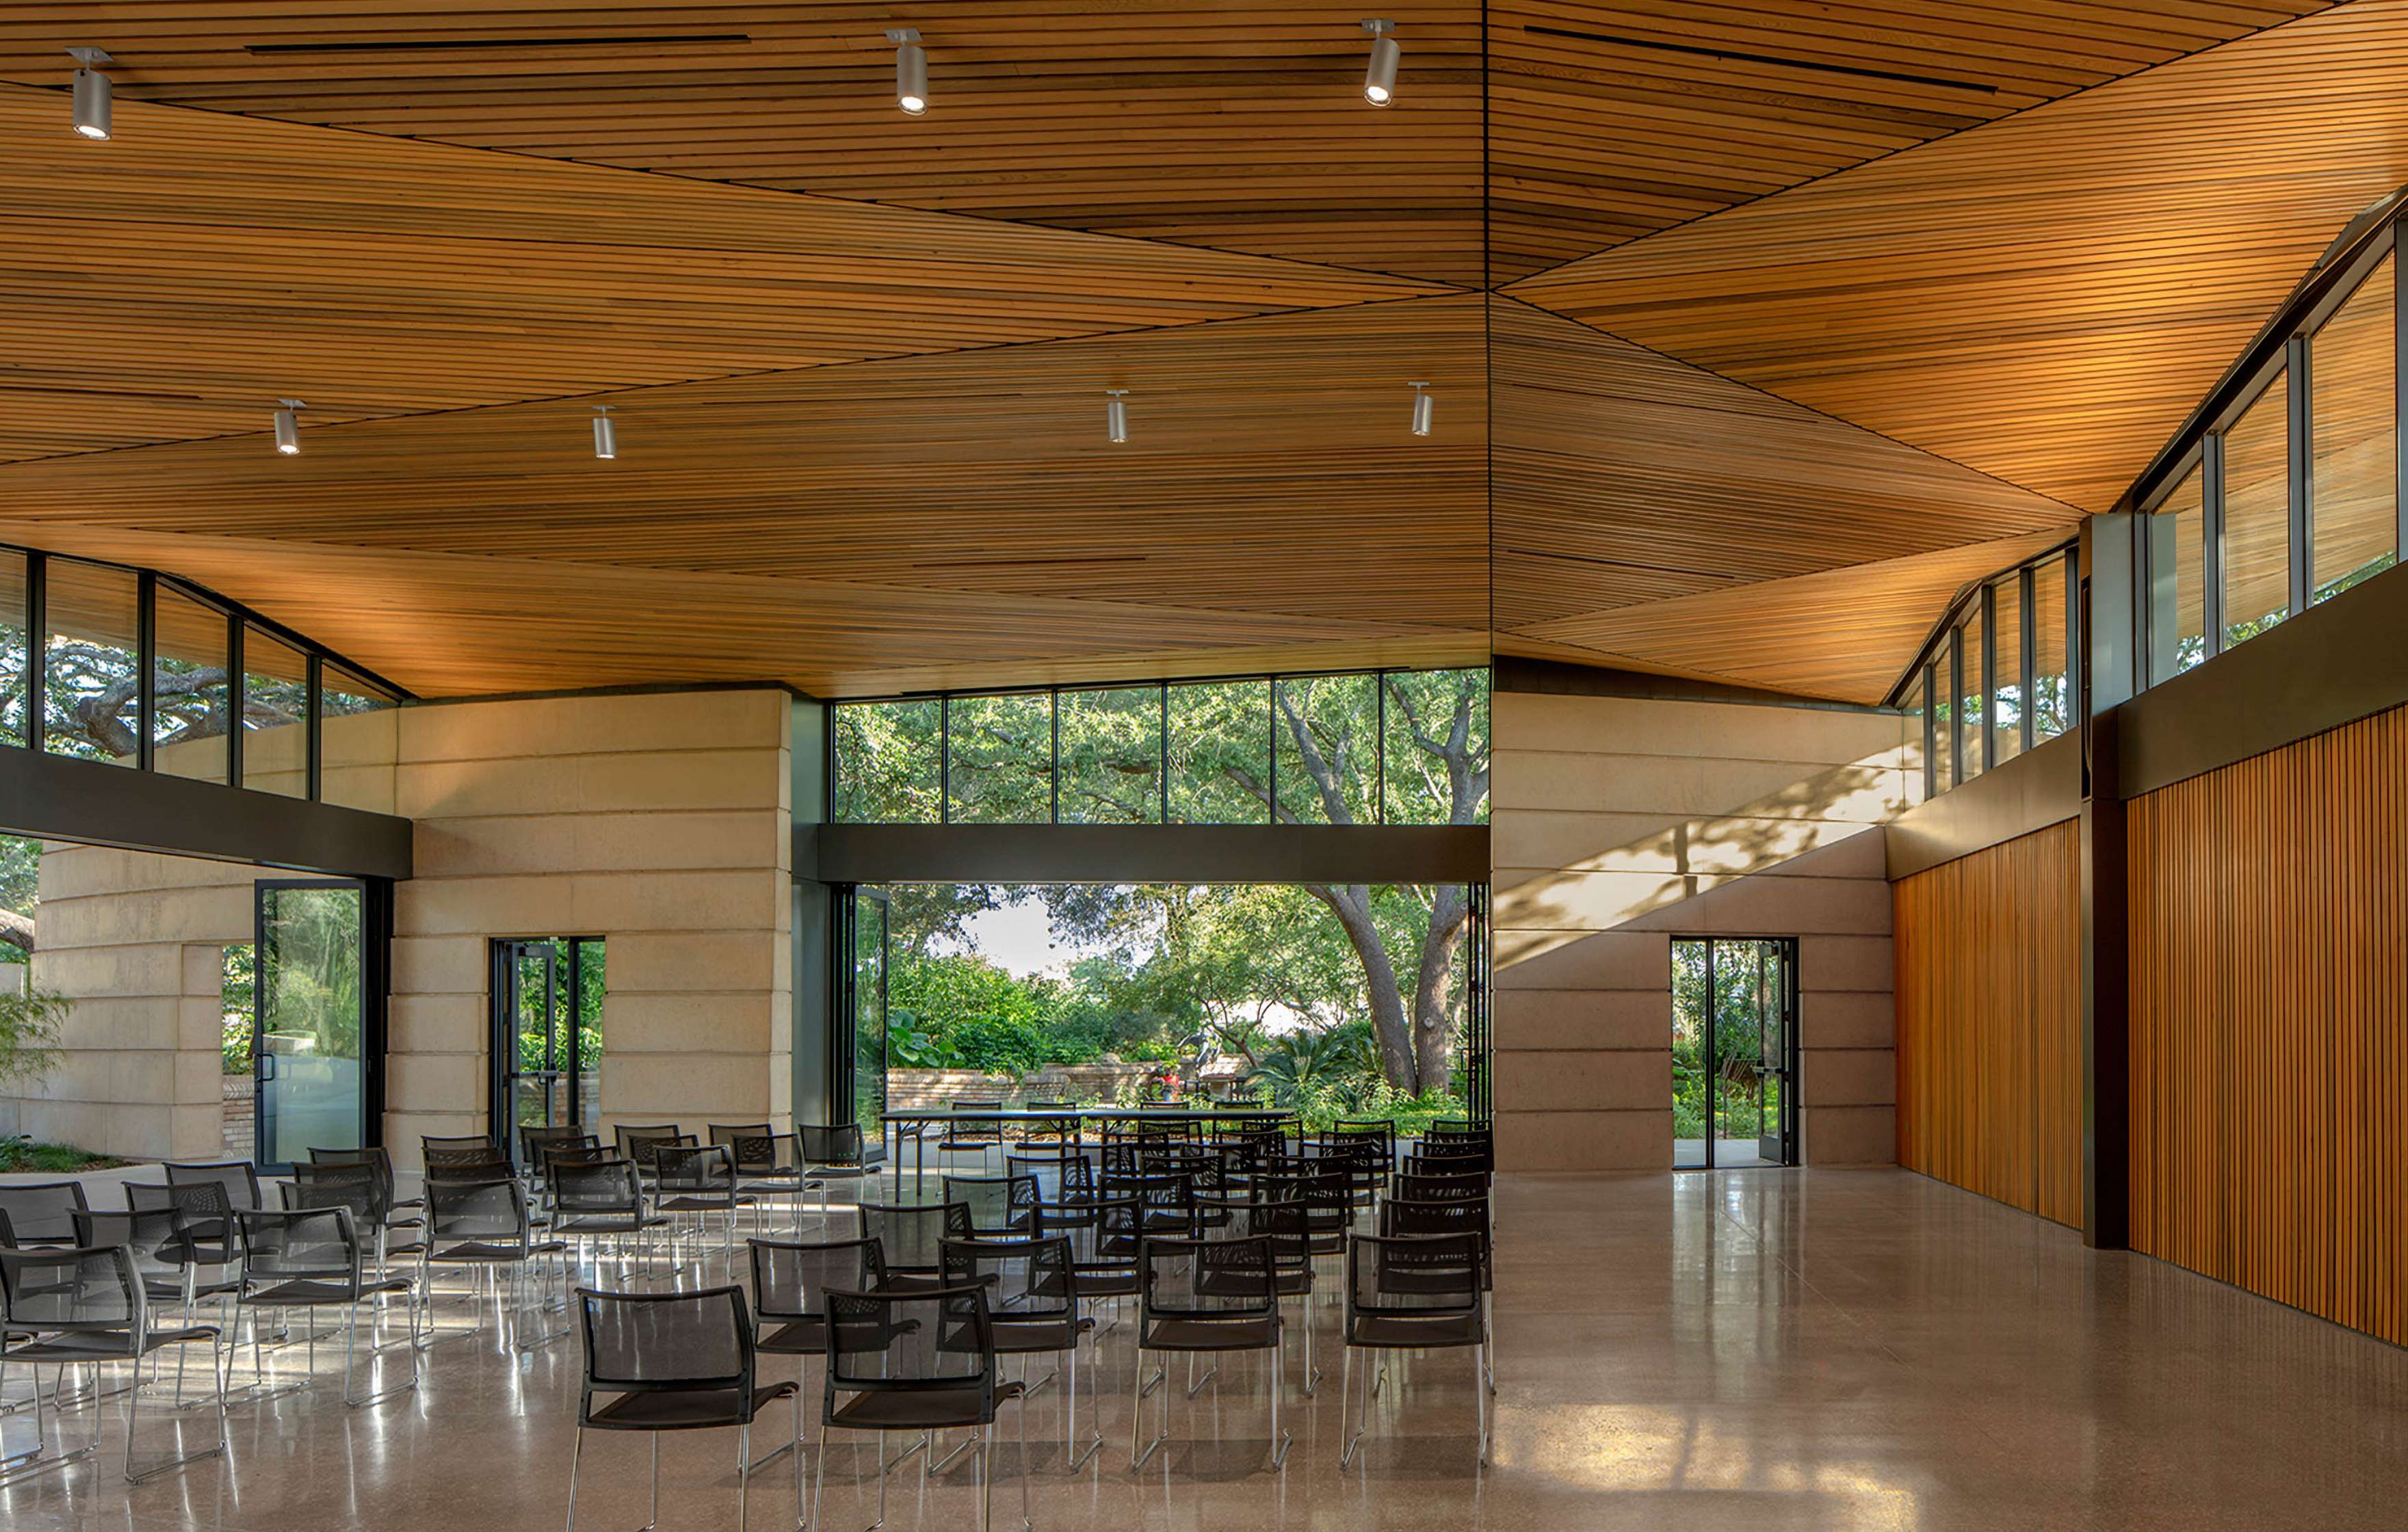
1019	938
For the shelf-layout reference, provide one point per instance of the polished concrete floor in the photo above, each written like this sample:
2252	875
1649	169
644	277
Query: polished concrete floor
1746	1349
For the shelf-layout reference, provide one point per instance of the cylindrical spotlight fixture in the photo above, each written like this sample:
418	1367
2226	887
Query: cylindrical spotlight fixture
911	70
1379	78
1115	417
1422	410
92	93
288	425
605	436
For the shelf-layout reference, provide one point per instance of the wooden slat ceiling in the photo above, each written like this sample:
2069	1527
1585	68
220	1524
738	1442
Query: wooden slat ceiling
1611	121
2045	297
1239	126
1849	302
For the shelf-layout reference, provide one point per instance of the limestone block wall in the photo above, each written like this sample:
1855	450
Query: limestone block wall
1619	822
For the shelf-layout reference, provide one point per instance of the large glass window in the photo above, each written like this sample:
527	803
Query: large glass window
1971	760
2178	580
2354	423
193	686
2052	685
2258	517
1435	754
1329	741
17	697
1112	756
887	762
1220	753
2009	692
359	740
1944	714
999	759
275	714
92	705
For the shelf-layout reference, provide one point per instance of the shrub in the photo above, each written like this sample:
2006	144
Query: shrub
29	1033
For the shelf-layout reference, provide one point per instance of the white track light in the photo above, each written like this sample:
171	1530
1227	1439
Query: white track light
1115	417
288	425
1422	410
911	70
605	436
92	92
1380	80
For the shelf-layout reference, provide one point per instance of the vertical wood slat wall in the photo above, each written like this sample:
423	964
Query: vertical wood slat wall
1989	1021
2268	921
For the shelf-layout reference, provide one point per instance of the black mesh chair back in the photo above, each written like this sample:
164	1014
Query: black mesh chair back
1031	1289
92	1293
205	1223
586	1150
756	1149
445	1156
40	1212
478	1220
237	1179
911	1237
1421	1289
1289	1227
1379	1130
791	1281
1456	1158
694	1345
973	1134
605	1197
150	1236
1065	1181
1104	1246
375	1157
831	1146
1417	1186
1169	1201
317	1247
1208	1294
1403	1219
534	1136
695	1175
1000	1207
1326	1194
472	1172
352	1186
911	1360
640	1146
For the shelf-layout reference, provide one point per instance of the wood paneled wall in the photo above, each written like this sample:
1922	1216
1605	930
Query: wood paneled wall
2270	1024
1989	1023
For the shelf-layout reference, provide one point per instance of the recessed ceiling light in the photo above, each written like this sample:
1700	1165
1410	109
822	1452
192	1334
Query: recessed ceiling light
92	92
1116	416
910	69
1421	408
288	425
1380	80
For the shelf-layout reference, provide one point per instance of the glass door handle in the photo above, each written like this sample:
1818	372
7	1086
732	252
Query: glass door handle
267	1067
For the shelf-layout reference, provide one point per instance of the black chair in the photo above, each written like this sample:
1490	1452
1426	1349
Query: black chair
463	1155
205	1247
1420	1293
237	1179
971	1138
1105	1243
640	1146
767	1165
357	1186
84	1307
534	1136
1455	1218
791	1281
912	1238
604	1201
1032	1290
836	1152
1064	1179
38	1213
916	1361
1379	1130
1002	1207
673	1362
700	1179
485	1227
153	1236
1201	1296
313	1258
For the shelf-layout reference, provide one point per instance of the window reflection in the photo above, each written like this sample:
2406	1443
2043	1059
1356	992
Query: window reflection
194	688
2052	685
2354	427
2258	517
2008	692
359	740
887	769
275	714
92	689
999	759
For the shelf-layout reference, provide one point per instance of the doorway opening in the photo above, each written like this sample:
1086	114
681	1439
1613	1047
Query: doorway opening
547	1036
1734	1052
317	1017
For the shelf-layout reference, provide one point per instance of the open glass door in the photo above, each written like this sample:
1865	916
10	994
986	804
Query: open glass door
869	954
1776	1016
1734	1052
547	1035
310	1049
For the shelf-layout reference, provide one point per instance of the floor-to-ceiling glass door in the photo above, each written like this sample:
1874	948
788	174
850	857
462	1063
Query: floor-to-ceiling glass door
312	1052
1734	1052
547	1038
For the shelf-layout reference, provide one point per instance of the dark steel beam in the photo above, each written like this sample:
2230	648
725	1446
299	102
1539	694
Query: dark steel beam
57	797
1142	853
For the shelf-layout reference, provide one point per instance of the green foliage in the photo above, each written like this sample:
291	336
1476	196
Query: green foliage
589	1051
17	1156
236	994
29	1033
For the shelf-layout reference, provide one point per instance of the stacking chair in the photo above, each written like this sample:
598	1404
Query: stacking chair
1204	1295
918	1360
1379	1130
673	1362
153	1238
204	1249
1362	1157
1459	1217
700	1180
1452	1159
485	1227
400	1213
1105	1243
832	1153
237	1179
971	1138
640	1146
1290	1227
1414	1292
1058	1133
1032	1290
791	1281
313	1258
910	1240
767	1165
462	1156
604	1200
1325	1192
84	1306
1002	1207
38	1213
357	1186
1065	1185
